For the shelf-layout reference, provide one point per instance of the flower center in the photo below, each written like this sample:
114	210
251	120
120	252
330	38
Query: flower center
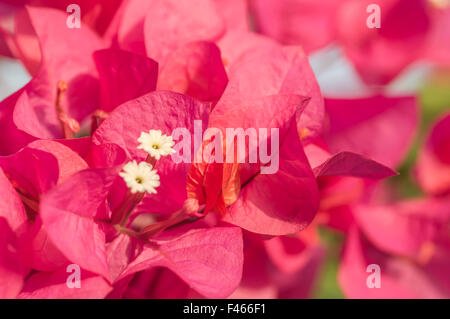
155	146
139	180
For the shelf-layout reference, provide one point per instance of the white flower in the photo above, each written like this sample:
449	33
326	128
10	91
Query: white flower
156	144
140	177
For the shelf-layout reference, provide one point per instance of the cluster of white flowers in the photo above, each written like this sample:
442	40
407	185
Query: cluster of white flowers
142	177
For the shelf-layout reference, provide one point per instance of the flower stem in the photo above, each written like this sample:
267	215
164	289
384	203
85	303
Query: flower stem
154	229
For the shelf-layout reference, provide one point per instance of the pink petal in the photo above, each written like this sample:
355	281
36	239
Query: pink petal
208	260
234	13
438	44
11	272
130	27
159	23
159	110
433	167
153	283
5	43
81	97
256	281
316	154
78	44
301	284
36	169
235	43
195	69
171	193
41	165
280	203
106	155
400	278
277	70
380	128
35	112
291	254
351	164
120	252
124	76
172	23
53	285
13	138
163	111
78	145
69	221
292	21
96	13
380	54
11	207
405	228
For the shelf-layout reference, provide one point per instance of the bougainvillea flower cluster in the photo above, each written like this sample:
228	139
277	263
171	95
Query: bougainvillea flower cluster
110	185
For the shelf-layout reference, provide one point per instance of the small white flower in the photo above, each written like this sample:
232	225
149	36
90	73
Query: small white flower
156	144
140	177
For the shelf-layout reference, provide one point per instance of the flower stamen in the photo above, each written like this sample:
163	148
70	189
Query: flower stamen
97	118
68	124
